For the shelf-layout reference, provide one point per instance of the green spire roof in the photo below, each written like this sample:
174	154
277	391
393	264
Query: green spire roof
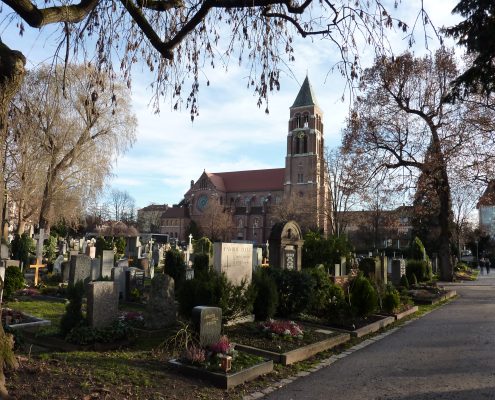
306	96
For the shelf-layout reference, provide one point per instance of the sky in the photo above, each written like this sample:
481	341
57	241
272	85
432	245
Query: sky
231	133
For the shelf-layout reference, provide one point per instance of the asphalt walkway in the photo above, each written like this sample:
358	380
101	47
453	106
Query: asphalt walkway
447	354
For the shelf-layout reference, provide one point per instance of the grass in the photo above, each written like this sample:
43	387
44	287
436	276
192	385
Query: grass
50	310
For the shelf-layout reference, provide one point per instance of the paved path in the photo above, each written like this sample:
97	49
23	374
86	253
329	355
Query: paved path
448	354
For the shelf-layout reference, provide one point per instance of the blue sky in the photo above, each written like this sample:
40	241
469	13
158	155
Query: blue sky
231	133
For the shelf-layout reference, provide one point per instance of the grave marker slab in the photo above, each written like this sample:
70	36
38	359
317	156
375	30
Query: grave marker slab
207	321
103	303
161	310
107	263
95	269
80	269
118	277
235	260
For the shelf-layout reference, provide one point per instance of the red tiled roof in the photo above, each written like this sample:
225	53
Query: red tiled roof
247	181
176	212
155	207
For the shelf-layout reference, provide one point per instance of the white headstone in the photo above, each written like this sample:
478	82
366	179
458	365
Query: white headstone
235	260
57	265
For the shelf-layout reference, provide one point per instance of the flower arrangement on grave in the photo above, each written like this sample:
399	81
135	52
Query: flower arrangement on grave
282	328
218	355
132	318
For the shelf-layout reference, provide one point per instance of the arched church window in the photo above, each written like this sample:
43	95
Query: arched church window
306	120
298	121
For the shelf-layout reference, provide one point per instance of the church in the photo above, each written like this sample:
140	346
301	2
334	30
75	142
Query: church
252	197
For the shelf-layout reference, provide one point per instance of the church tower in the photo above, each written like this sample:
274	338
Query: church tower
305	175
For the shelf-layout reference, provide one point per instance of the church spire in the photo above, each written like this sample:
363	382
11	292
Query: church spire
306	96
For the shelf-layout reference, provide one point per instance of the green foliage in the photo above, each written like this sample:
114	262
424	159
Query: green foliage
417	249
14	280
413	280
103	244
420	268
175	267
201	264
215	290
203	246
327	251
294	291
364	299
321	294
367	265
60	229
266	300
116	332
391	299
73	316
120	245
50	249
404	282
22	248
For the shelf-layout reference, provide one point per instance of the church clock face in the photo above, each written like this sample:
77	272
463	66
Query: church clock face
202	202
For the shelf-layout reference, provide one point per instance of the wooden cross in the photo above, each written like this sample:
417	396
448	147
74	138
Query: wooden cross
37	266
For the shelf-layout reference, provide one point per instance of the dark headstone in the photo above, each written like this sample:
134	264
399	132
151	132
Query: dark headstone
207	321
103	303
119	278
95	269
107	262
65	271
398	269
80	269
160	310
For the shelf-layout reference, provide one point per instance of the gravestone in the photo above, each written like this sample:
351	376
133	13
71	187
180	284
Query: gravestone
107	263
144	264
91	251
343	266
161	310
73	253
95	269
257	257
65	271
134	279
119	278
57	264
235	260
207	322
123	263
83	246
15	263
398	269
2	279
80	269
103	303
4	251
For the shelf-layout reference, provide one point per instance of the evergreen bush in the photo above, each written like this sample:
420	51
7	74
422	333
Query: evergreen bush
413	280
22	248
391	299
294	291
367	265
175	267
321	294
266	298
420	268
73	316
364	299
14	280
201	264
404	282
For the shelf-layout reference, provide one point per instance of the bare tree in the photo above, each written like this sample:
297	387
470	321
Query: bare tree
122	205
74	134
403	115
216	222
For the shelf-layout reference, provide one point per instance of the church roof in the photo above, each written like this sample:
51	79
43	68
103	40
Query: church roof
249	181
306	96
488	197
176	212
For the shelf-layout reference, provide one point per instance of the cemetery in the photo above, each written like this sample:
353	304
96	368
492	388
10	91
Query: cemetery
224	320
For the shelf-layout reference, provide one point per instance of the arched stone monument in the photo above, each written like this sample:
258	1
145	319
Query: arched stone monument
285	243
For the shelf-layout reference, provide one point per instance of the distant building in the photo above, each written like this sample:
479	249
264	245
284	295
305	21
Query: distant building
149	218
174	222
250	196
486	210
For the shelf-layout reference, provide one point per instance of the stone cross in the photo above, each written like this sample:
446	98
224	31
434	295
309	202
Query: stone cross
37	266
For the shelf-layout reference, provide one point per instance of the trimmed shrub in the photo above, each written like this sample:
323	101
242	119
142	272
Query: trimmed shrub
364	299
404	282
73	316
417	249
266	300
215	290
201	264
321	294
420	268
22	248
175	267
294	291
14	280
414	280
391	299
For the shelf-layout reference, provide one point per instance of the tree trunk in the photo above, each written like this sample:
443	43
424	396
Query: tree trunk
11	74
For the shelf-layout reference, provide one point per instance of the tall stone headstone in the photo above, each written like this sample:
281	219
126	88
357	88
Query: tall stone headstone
107	263
65	271
91	251
2	278
118	277
4	252
57	264
95	269
207	322
235	260
398	269
161	310
103	303
73	253
80	269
